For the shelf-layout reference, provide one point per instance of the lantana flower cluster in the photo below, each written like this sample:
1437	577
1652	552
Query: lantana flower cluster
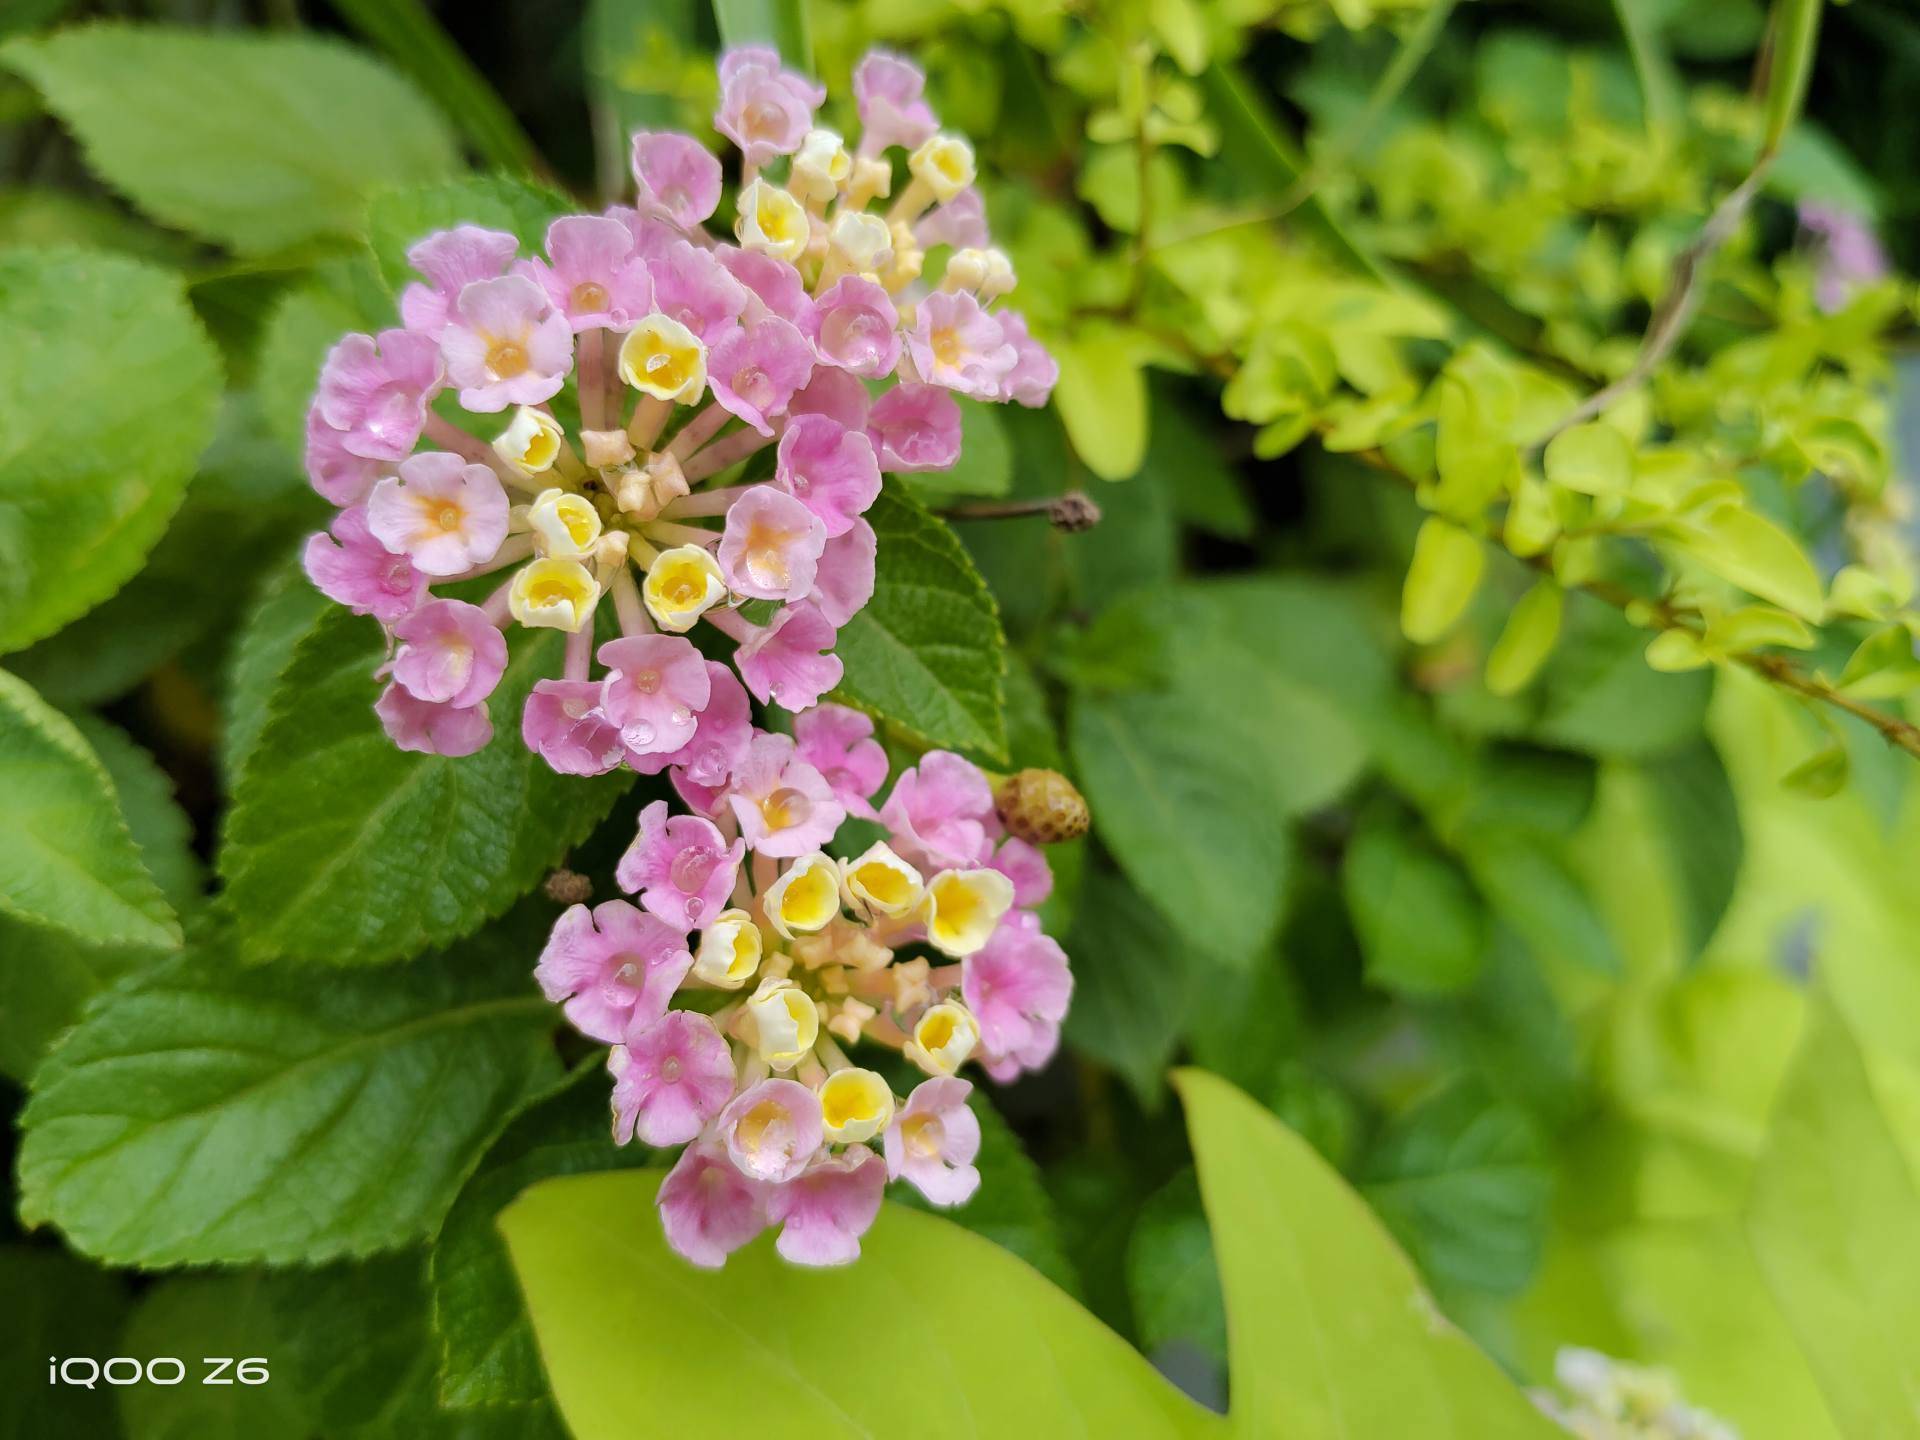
1608	1399
754	960
818	333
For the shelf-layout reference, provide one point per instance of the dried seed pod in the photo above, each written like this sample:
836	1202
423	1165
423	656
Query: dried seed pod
1042	807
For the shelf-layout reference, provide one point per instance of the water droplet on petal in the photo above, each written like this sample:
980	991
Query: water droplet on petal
681	714
640	733
696	907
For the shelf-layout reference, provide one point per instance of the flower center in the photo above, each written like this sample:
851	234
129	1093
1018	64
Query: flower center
670	1069
922	1134
506	359
752	385
447	517
946	345
589	296
647	682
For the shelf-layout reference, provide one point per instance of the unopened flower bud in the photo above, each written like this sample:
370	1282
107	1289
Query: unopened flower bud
645	492
805	897
862	243
781	1023
944	164
872	179
729	950
682	585
857	1105
943	1038
605	449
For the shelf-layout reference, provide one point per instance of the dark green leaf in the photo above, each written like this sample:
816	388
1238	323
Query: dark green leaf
1421	926
1129	995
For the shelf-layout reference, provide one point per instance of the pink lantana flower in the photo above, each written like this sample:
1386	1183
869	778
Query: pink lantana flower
449	652
889	90
708	1208
771	545
452	260
839	743
961	223
843	580
764	109
772	1130
692	287
915	427
1027	868
838	396
432	727
784	806
1035	372
595	280
375	392
656	686
682	868
755	369
776	287
941	813
443	513
956	344
675	177
564	725
1018	987
789	661
826	1209
722	730
505	344
828	468
613	966
336	473
933	1141
857	328
350	566
671	1077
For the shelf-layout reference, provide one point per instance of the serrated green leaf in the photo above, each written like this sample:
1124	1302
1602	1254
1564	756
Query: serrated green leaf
1421	927
398	218
926	653
286	608
107	395
69	863
1329	1331
628	1328
487	1352
258	142
1463	1183
344	849
1835	1223
189	1317
161	831
209	1113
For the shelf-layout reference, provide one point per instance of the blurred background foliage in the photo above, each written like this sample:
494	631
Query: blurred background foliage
1503	804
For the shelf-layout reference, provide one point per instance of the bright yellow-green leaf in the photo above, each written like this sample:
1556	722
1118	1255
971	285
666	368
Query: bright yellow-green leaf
934	1332
1675	650
1531	524
1743	546
1835	1223
1594	459
1822	775
1331	1335
1883	667
1527	640
1447	563
1102	399
1753	626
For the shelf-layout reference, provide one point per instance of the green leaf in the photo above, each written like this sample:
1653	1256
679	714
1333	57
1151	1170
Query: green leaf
160	829
1597	693
1172	1282
1834	1219
1463	1183
1796	29
286	608
69	863
779	23
107	397
1527	881
208	1113
1102	400
1422	928
409	36
1446	568
1329	1331
242	512
398	218
1593	459
1743	546
926	653
342	848
627	1328
1130	997
1526	641
192	1316
56	1306
258	142
1698	822
485	1340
